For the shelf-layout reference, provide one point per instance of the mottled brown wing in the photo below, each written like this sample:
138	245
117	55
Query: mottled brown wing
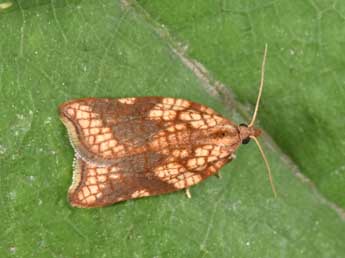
103	130
147	174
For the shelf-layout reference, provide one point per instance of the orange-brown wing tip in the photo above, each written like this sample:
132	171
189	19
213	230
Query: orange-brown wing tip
63	107
75	195
71	129
74	201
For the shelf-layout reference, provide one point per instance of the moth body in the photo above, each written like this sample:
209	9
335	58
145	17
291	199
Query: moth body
135	147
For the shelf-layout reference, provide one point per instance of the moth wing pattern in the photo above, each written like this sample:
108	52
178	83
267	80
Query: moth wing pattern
134	147
95	186
103	129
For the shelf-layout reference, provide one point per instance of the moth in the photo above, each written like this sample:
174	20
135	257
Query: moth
129	148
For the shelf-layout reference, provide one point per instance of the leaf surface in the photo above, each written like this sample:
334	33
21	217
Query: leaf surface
55	51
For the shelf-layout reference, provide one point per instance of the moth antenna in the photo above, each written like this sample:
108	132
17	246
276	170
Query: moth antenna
260	87
269	173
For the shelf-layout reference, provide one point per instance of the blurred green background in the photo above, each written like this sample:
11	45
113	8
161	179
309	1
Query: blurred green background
52	51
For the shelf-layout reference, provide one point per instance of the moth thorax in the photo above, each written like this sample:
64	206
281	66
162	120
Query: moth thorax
222	135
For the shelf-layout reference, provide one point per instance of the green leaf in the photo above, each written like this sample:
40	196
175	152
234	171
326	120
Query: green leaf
55	51
303	107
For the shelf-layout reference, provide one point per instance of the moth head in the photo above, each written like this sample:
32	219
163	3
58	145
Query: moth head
247	132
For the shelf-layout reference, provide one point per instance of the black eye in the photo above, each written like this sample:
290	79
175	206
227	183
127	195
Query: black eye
245	141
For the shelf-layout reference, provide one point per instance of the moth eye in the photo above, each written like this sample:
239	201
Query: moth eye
245	141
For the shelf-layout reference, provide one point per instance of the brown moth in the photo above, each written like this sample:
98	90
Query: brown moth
134	147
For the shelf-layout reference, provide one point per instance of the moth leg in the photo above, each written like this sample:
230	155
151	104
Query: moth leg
188	194
231	157
218	174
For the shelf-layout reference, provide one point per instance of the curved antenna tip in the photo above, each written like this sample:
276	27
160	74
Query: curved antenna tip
260	87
